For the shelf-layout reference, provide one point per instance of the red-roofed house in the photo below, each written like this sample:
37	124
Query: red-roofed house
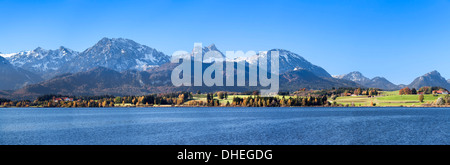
57	100
68	99
441	92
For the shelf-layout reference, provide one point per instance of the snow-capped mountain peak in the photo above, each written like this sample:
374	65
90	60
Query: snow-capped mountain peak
376	82
205	50
40	60
354	76
118	54
289	61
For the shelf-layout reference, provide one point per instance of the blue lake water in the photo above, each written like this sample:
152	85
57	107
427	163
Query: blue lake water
225	126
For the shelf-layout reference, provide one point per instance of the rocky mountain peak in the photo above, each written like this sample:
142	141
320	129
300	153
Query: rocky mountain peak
433	73
354	76
376	82
118	54
212	47
433	78
289	61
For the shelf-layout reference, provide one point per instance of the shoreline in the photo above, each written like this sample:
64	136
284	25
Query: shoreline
177	106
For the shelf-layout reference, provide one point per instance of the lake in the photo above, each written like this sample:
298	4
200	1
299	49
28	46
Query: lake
224	126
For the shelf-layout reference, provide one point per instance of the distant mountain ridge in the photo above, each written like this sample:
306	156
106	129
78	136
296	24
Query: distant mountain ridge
139	69
117	54
289	61
41	61
376	82
433	78
102	81
123	54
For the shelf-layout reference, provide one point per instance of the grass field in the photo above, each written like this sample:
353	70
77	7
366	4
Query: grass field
408	98
389	98
356	100
389	93
386	98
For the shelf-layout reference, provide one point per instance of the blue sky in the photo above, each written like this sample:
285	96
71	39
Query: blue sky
397	39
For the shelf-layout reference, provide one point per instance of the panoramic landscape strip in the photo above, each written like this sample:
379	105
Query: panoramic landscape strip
342	97
224	73
118	72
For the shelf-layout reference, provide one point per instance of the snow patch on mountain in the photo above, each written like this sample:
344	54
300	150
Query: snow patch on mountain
376	82
42	61
288	61
118	54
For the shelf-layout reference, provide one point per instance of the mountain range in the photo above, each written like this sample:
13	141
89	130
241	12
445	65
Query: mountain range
433	78
117	54
102	81
42	62
120	66
289	61
376	82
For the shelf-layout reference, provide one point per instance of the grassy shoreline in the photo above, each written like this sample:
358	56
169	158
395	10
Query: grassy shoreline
180	106
383	99
391	99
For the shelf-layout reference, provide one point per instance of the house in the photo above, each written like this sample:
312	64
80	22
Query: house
441	92
68	99
57	100
62	99
346	94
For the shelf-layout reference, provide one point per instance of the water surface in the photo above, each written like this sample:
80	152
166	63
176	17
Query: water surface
227	126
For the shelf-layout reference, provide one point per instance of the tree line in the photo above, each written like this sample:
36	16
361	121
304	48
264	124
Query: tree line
101	101
279	102
422	90
178	98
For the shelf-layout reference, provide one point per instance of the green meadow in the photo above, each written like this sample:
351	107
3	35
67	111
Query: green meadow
387	98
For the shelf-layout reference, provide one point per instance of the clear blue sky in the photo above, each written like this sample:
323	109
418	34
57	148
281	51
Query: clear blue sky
397	39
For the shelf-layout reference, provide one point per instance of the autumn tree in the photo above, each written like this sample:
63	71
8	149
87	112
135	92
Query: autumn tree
405	91
357	91
421	98
220	95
